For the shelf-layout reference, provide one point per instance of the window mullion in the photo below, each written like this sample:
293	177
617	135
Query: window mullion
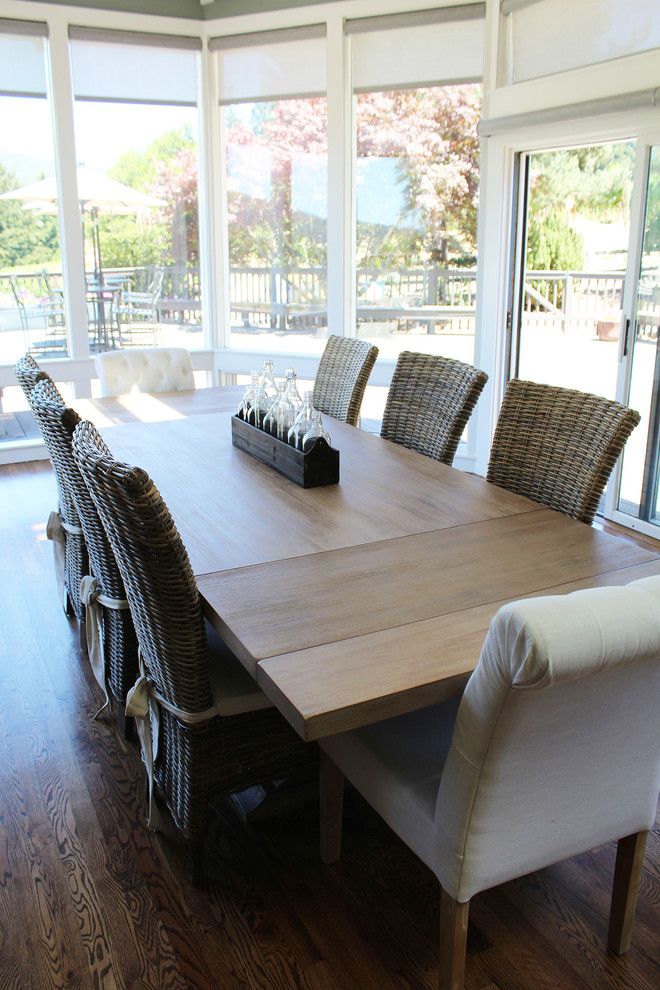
341	238
71	242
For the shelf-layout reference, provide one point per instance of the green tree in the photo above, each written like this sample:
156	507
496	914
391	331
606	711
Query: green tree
129	243
593	182
552	245
167	170
140	169
26	238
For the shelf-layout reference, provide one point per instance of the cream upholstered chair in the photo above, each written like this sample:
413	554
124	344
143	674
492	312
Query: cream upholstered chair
145	369
553	749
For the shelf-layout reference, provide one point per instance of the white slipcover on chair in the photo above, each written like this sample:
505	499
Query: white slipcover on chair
553	749
144	369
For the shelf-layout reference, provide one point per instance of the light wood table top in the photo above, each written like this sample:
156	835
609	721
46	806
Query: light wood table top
354	602
233	511
141	407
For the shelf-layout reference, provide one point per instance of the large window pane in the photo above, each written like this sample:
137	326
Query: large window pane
142	238
32	316
277	163
136	125
417	176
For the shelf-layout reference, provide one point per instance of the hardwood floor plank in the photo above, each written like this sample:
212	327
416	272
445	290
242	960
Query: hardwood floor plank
34	887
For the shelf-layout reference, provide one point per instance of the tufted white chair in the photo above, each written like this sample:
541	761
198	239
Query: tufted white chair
145	369
553	749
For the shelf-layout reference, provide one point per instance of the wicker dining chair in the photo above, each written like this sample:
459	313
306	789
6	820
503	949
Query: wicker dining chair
342	377
218	733
110	635
558	446
63	527
429	403
28	373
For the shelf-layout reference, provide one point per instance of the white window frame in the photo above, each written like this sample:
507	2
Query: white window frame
499	233
341	188
624	75
78	367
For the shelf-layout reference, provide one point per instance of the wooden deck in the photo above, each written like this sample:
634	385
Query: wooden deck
90	898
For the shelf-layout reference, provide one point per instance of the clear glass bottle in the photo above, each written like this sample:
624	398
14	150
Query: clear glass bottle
249	396
266	394
292	393
315	431
272	417
302	421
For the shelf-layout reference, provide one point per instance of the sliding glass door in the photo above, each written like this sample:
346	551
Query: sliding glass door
639	492
575	231
585	295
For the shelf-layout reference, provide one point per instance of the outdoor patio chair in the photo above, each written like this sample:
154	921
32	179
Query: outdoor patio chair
429	403
558	446
63	527
110	636
137	311
342	377
218	733
48	308
552	750
145	369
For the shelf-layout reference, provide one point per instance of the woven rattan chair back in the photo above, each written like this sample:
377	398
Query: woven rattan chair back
342	377
76	561
119	641
28	373
429	403
154	565
558	446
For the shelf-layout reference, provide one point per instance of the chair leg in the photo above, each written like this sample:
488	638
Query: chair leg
195	861
125	725
453	939
627	874
82	636
331	806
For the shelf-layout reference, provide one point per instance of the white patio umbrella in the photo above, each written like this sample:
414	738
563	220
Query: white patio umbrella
97	193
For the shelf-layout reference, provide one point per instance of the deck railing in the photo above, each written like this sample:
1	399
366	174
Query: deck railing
265	299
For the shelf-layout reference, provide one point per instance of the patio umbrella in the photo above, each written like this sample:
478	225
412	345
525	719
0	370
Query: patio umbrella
97	193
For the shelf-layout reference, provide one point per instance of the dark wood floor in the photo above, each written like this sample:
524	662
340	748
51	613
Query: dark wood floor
90	898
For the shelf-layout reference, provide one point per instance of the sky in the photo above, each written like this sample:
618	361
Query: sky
104	131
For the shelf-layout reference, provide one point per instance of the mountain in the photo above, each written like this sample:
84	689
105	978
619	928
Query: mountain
25	167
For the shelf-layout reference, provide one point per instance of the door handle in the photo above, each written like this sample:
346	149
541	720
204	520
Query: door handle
626	336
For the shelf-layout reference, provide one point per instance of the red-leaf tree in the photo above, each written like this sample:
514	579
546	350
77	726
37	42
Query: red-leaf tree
431	136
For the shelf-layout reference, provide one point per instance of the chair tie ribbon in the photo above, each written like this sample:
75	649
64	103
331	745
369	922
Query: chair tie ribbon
55	533
56	529
93	599
144	702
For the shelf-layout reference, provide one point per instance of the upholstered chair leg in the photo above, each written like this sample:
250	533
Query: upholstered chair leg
627	874
331	794
453	939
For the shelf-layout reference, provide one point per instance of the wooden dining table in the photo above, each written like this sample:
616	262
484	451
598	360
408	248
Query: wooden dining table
359	601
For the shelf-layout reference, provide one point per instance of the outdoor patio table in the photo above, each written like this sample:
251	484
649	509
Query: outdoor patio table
101	304
359	601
